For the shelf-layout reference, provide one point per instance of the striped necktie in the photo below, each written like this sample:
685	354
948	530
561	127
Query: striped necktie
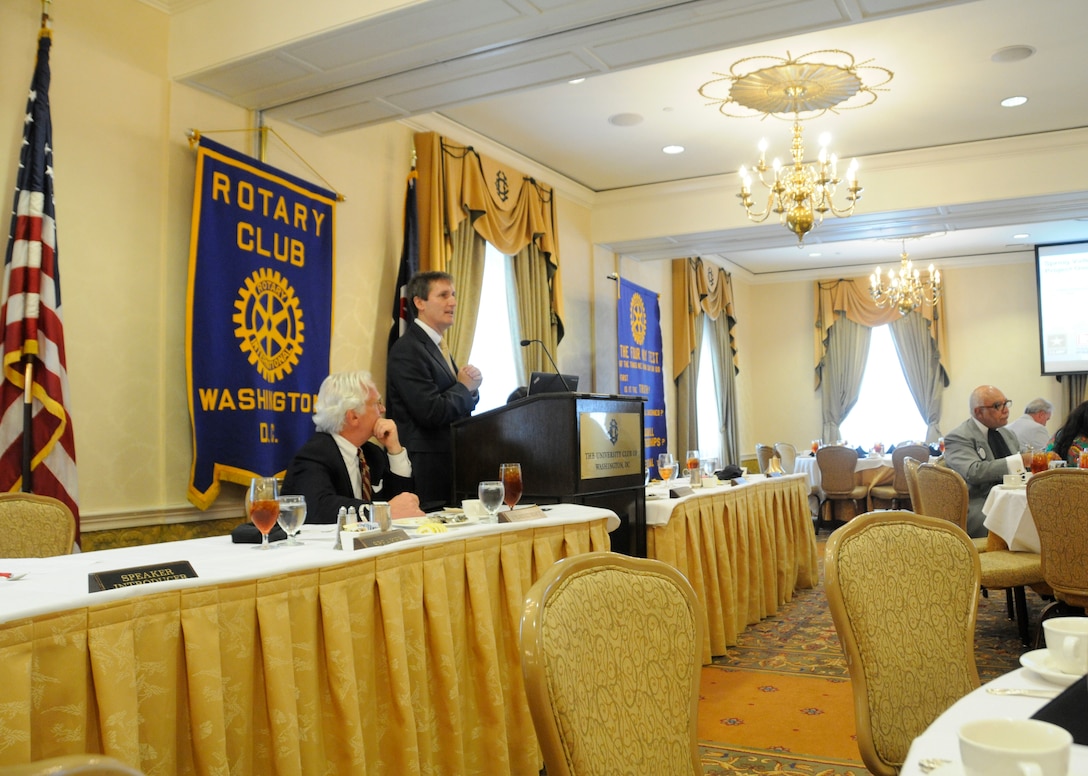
442	346
364	471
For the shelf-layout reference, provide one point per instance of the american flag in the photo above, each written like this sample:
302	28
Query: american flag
31	314
403	312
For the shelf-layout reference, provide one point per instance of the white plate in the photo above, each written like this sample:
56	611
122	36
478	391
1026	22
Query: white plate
416	522
948	769
1038	660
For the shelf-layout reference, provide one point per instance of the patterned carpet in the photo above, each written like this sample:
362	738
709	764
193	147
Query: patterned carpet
780	701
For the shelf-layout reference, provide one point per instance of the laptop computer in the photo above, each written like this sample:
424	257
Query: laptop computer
550	382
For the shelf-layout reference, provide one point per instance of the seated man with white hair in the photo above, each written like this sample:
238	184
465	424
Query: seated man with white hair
355	457
1030	428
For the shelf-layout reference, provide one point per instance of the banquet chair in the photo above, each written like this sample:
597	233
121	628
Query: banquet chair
611	652
764	454
910	474
837	465
33	526
910	656
788	454
897	492
72	765
1056	500
942	493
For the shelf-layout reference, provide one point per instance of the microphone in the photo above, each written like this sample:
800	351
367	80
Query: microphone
525	343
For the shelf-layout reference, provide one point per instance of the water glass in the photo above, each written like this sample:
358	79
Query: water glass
292	516
490	493
693	465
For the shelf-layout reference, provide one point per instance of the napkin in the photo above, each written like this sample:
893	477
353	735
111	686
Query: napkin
1069	710
247	533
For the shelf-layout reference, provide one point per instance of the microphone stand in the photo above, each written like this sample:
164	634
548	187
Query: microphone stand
525	343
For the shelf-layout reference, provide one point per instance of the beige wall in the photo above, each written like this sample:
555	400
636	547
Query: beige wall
124	177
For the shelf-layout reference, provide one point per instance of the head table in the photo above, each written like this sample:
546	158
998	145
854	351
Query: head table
400	659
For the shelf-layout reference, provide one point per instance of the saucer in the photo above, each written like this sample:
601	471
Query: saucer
1038	660
1020	486
948	769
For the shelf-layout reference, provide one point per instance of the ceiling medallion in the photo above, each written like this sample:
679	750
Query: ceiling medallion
798	89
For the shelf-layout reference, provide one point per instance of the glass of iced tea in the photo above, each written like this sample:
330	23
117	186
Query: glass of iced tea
510	474
693	465
666	467
262	508
1039	461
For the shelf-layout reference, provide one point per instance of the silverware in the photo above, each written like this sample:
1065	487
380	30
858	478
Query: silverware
931	764
1023	691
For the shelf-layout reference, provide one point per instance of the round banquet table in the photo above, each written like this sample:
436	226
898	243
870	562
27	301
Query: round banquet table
806	464
1007	515
940	739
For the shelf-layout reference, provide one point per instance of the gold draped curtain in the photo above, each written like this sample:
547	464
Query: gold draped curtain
506	208
701	289
851	298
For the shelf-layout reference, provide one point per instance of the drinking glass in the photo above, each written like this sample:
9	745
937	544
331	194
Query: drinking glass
666	467
710	465
261	506
815	446
292	516
490	493
510	474
693	464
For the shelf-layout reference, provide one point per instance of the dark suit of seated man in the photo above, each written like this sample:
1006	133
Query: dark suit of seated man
327	469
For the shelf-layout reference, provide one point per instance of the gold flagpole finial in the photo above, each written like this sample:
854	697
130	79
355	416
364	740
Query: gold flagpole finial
47	21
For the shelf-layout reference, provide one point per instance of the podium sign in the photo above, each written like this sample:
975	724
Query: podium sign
611	444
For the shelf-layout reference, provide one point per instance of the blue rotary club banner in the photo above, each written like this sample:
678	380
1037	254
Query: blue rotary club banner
639	337
259	316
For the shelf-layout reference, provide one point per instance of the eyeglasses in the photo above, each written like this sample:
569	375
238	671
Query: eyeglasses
997	406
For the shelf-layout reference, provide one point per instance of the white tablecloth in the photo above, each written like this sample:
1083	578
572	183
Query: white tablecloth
59	583
659	506
1008	516
940	740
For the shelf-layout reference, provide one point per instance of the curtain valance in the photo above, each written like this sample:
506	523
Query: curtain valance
507	208
850	297
698	287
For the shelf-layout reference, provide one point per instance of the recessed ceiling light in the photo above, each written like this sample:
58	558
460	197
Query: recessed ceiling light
1012	54
625	119
1021	236
815	255
1013	102
575	80
673	149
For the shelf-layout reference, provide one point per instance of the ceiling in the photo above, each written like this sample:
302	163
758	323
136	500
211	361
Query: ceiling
500	69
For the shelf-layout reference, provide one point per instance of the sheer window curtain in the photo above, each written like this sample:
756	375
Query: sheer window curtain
922	368
919	343
703	296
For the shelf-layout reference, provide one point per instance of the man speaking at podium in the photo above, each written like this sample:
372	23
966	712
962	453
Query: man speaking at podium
426	390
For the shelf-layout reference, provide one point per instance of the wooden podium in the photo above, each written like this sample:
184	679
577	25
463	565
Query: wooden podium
573	447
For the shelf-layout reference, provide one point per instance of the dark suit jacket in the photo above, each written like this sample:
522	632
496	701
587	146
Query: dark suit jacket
318	472
424	398
967	451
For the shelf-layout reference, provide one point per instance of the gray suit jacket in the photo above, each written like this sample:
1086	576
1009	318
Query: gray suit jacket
967	451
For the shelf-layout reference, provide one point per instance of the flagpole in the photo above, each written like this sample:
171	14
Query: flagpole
28	416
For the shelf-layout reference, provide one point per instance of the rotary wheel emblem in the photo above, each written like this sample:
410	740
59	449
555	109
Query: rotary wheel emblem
269	324
638	319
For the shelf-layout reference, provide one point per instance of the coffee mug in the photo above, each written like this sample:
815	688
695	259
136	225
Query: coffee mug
1067	644
1014	747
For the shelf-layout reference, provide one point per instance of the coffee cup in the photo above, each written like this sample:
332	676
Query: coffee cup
473	507
1014	747
1067	644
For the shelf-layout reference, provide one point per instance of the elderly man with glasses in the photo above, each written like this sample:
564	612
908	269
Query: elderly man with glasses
355	457
983	451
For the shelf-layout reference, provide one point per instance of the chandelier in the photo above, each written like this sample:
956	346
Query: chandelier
798	89
905	290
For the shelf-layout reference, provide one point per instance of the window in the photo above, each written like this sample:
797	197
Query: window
708	407
493	346
885	411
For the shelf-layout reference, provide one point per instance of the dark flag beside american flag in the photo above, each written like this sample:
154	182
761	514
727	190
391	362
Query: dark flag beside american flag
37	448
403	312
